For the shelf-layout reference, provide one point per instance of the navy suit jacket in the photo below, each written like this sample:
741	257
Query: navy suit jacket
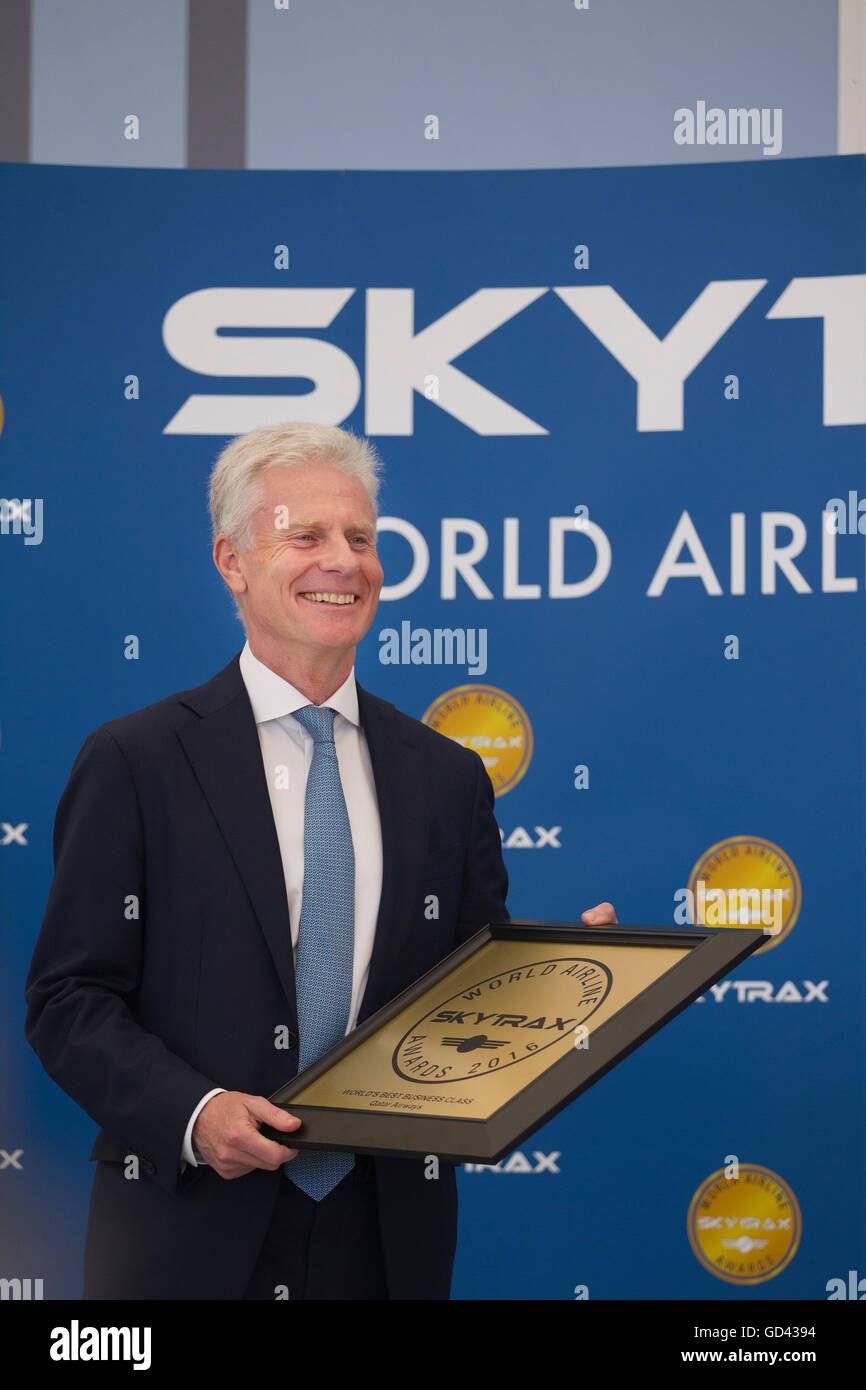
164	966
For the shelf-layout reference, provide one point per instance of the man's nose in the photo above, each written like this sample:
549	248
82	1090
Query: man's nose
340	555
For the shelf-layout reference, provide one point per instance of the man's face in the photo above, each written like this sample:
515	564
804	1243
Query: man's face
314	533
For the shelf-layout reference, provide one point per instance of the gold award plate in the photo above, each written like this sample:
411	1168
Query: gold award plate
495	1039
503	1018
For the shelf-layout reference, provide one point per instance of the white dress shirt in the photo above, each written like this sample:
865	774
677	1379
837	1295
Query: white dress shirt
287	751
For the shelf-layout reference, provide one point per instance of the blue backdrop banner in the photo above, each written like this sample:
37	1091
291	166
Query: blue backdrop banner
622	414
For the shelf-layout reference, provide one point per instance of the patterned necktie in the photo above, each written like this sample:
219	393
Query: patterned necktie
326	934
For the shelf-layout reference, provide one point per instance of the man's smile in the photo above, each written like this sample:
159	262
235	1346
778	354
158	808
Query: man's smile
320	596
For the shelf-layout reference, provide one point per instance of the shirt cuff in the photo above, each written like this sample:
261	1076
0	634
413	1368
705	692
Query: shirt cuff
188	1153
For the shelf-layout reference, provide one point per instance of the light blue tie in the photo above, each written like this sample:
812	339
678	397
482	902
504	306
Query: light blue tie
326	934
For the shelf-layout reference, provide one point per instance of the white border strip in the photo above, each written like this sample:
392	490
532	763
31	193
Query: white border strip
851	128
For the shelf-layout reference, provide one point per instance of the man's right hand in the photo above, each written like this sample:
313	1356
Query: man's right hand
226	1134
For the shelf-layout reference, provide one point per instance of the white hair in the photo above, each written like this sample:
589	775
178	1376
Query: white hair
233	486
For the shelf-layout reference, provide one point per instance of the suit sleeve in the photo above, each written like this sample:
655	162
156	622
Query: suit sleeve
485	880
86	969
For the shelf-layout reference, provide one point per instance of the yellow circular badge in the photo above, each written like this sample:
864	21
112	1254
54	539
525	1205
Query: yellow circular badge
490	722
745	881
745	1229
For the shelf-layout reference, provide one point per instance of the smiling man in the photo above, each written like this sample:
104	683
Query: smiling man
240	878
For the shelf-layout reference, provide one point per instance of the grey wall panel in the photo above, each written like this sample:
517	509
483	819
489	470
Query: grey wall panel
96	62
337	84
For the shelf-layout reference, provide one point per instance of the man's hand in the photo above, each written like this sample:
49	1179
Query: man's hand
601	916
226	1134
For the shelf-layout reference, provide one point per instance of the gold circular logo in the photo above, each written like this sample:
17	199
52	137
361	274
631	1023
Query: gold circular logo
1	415
490	722
745	881
492	1025
745	1229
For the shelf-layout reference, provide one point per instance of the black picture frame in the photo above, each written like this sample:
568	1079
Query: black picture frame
712	953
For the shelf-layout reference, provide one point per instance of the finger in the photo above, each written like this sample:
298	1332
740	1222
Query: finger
276	1156
274	1115
280	1119
267	1155
243	1147
603	915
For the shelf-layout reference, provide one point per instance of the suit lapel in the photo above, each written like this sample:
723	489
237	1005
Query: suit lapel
401	793
223	749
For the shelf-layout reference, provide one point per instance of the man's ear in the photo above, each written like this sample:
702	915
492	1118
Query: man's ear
226	557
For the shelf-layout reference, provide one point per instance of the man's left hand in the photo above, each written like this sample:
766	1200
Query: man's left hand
603	915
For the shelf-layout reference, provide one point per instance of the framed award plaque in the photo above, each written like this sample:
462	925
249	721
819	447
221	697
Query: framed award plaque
499	1036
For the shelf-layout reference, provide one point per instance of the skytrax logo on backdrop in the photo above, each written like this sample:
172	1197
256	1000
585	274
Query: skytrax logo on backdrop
203	331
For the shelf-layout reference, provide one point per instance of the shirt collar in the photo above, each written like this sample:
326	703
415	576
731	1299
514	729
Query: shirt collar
273	698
